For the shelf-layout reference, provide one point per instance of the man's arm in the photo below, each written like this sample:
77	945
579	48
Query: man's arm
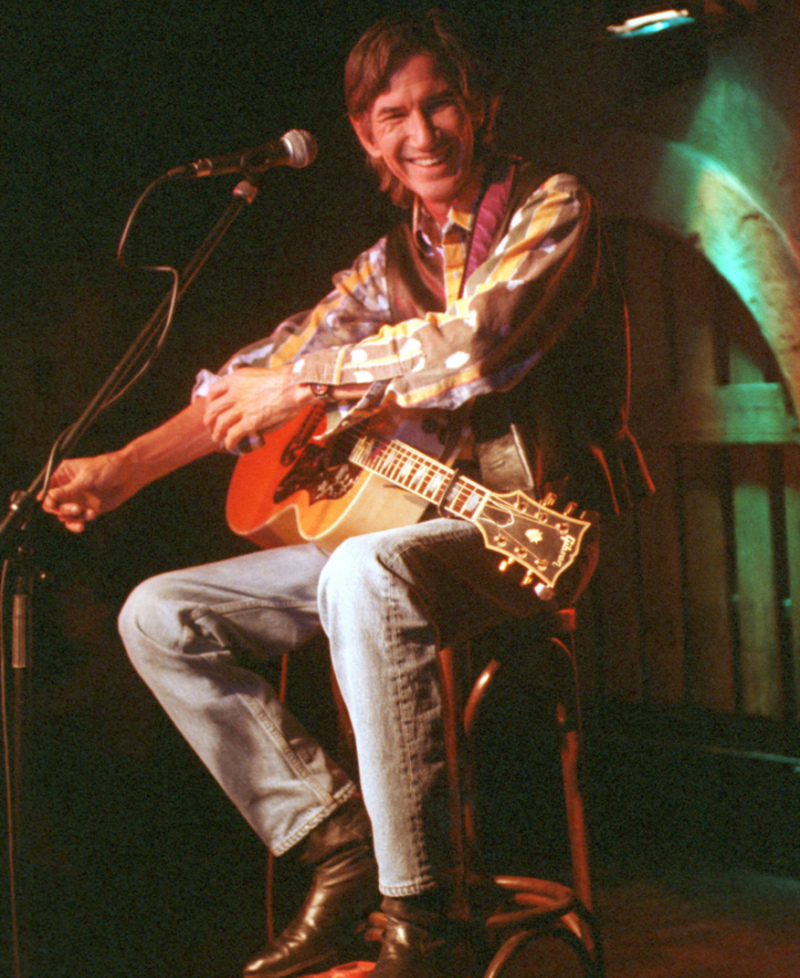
83	488
245	402
515	305
252	400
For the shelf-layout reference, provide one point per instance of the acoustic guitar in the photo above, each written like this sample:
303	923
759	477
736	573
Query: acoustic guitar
300	487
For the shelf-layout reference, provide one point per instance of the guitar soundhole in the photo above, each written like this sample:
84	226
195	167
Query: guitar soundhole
314	472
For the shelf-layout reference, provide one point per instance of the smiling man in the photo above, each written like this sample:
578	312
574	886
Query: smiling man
422	130
493	306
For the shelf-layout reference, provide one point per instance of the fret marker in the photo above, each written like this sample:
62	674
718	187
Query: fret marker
471	503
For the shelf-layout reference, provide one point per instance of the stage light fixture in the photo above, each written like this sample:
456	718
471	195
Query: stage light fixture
626	20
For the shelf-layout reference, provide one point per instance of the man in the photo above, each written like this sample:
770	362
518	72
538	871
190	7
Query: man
496	294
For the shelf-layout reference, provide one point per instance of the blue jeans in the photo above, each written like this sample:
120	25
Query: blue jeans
386	602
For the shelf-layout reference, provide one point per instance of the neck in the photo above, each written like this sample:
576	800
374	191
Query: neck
439	210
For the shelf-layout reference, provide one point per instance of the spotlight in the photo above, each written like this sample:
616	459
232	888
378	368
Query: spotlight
634	20
659	20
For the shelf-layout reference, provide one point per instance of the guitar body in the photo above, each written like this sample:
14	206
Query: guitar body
315	496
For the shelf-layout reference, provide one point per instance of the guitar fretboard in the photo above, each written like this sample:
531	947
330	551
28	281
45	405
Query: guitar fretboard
418	473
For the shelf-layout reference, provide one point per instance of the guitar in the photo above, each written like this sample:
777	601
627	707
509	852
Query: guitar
298	488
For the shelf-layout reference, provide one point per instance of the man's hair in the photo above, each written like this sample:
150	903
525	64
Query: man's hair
388	45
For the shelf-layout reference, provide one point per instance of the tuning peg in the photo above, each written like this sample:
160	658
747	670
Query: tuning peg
570	508
549	499
505	564
544	592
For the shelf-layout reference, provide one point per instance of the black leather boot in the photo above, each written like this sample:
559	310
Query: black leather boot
344	889
420	940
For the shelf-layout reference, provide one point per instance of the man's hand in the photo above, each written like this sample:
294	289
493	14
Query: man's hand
250	401
83	488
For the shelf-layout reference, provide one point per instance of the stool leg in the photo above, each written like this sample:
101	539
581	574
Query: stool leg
537	907
451	711
576	823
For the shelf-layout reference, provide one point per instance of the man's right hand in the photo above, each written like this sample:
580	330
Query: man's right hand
83	488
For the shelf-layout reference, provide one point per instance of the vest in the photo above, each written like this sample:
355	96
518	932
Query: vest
563	427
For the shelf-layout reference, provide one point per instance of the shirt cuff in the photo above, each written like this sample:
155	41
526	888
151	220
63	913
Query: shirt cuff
203	382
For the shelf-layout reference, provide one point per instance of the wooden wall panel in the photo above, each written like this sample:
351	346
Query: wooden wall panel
696	604
755	596
790	596
693	299
619	630
615	619
709	641
663	640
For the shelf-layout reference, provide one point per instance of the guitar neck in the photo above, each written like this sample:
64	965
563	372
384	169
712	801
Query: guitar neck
416	472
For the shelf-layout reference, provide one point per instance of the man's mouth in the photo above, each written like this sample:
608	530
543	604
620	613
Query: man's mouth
430	160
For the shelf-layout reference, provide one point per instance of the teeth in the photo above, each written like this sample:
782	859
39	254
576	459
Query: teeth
429	161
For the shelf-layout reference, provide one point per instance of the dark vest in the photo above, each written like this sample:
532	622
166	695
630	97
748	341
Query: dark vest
563	427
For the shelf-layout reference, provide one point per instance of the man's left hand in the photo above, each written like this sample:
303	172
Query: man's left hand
252	400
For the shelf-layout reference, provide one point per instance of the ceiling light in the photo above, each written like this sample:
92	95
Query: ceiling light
652	22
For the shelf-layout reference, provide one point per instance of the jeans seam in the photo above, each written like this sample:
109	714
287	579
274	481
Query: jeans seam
401	687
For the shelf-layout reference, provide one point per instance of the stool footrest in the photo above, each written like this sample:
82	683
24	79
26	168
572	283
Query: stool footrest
520	909
524	898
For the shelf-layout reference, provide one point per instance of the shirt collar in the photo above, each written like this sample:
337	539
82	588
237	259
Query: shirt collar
461	215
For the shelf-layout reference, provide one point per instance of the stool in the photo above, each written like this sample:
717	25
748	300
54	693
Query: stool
510	912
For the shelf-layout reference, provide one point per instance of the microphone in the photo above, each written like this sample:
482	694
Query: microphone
296	148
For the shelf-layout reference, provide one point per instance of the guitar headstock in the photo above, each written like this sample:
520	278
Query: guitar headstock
545	541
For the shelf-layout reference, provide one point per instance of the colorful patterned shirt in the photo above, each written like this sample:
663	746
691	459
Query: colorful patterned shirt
496	325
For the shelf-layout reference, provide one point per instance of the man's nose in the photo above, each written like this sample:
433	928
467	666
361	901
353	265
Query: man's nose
421	129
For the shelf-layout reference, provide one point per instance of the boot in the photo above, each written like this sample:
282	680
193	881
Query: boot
420	940
344	889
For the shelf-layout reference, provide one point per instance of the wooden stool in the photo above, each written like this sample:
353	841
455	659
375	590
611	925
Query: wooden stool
510	912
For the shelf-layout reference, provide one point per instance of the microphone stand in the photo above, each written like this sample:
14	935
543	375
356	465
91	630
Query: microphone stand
16	554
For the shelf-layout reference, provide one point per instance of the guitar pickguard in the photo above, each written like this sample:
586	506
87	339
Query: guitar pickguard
313	472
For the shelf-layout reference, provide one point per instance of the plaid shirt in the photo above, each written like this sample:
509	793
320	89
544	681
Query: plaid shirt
496	326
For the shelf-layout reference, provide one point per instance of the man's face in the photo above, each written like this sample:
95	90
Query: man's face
424	132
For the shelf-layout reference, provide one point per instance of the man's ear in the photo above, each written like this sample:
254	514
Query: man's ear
362	129
476	107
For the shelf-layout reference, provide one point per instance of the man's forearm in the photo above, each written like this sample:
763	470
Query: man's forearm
172	445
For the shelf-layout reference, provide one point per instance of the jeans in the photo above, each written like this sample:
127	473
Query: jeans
386	602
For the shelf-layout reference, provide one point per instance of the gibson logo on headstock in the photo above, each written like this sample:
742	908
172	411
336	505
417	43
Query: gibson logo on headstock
567	546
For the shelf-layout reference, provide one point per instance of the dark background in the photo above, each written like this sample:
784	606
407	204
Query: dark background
135	864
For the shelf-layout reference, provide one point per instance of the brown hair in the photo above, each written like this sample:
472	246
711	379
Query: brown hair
386	47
